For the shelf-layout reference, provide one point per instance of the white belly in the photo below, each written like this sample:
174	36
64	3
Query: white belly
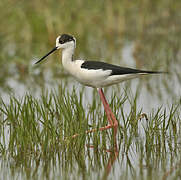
95	78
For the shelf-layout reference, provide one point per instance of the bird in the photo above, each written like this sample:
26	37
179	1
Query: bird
96	74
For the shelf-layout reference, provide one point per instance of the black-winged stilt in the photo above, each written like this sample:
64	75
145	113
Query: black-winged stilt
94	73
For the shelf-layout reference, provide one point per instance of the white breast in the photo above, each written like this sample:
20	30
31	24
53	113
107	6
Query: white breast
89	77
95	78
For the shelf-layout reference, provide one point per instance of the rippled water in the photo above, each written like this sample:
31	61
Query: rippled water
146	37
152	95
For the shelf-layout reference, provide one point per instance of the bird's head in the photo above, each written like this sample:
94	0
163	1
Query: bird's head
65	41
62	42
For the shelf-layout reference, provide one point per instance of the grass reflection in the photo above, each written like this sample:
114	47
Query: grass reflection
36	134
33	130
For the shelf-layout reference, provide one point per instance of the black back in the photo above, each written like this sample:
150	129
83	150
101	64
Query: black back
116	70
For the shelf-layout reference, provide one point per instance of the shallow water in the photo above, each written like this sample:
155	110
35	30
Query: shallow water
146	37
148	101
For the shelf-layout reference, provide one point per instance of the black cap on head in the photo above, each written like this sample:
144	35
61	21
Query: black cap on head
65	38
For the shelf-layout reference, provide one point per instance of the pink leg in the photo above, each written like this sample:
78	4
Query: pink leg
106	106
111	118
113	123
94	130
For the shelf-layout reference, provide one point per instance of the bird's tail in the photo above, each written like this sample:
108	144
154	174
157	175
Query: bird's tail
153	72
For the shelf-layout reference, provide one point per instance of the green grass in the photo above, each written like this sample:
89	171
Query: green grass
36	133
36	136
29	29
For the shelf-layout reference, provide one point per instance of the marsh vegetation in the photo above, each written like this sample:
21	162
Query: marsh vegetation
42	107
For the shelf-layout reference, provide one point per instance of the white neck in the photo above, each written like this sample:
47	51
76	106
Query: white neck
67	56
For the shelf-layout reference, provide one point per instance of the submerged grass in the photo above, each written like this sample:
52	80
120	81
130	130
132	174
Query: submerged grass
35	133
36	137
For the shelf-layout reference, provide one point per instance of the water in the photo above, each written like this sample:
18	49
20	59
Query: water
143	35
147	101
152	88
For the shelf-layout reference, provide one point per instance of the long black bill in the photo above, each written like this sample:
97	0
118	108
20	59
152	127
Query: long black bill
54	49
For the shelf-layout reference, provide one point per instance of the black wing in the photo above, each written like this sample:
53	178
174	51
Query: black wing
116	70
